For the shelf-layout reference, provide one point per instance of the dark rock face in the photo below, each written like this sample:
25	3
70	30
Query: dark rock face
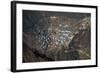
56	36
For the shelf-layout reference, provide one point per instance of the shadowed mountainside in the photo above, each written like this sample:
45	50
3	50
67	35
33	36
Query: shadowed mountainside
52	36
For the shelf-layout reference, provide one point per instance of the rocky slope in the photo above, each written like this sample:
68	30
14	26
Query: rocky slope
53	36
